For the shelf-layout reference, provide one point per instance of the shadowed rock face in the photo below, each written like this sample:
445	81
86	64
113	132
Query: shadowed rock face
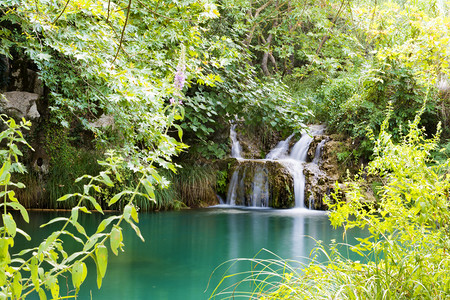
20	105
261	183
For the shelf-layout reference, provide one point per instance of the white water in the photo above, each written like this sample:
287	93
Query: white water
260	187
318	152
235	146
294	163
281	150
233	188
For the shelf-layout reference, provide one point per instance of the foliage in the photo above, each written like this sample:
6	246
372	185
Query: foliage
389	52
99	58
405	255
38	269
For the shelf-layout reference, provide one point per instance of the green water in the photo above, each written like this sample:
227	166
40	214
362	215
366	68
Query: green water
183	248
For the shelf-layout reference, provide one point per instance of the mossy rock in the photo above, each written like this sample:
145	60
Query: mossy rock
260	181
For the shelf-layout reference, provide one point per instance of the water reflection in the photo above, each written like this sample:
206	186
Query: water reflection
183	248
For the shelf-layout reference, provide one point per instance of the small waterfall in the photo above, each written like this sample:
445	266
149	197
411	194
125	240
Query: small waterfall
298	156
254	192
295	168
260	186
281	150
318	152
300	150
257	192
235	146
233	188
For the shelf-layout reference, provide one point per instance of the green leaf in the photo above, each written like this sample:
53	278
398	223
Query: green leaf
137	230
23	211
59	219
16	150
34	272
42	295
95	203
79	228
84	209
74	214
10	224
54	289
103	224
117	197
99	277
3	279
115	239
134	214
127	212
101	252
49	241
67	196
24	234
11	196
4	250
92	241
79	273
106	179
148	188
17	285
4	171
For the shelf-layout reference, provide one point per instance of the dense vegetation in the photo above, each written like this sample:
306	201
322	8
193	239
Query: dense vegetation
271	65
174	74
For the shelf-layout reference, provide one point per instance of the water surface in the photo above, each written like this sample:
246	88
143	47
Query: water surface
183	248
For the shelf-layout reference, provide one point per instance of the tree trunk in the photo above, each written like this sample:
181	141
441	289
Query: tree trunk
266	56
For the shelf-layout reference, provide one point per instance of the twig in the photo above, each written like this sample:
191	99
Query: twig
64	9
123	32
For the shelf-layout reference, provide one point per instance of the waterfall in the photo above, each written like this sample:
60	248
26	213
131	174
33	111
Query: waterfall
295	168
235	146
280	151
294	164
300	150
256	193
318	152
260	187
233	188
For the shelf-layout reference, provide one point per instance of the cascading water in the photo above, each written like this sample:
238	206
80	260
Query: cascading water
235	146
294	164
257	193
318	152
280	151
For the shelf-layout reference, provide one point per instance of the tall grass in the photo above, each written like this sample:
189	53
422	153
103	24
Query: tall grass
196	184
43	190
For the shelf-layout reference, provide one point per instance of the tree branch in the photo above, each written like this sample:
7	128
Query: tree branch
326	37
61	13
123	32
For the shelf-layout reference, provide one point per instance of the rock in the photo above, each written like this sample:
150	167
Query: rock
261	183
20	105
103	122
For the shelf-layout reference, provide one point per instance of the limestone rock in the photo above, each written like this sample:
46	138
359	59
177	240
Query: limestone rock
103	122
20	105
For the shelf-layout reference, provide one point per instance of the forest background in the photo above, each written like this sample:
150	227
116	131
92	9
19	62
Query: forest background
272	66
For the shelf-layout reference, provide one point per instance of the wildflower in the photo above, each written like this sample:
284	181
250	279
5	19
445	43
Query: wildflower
172	100
180	76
